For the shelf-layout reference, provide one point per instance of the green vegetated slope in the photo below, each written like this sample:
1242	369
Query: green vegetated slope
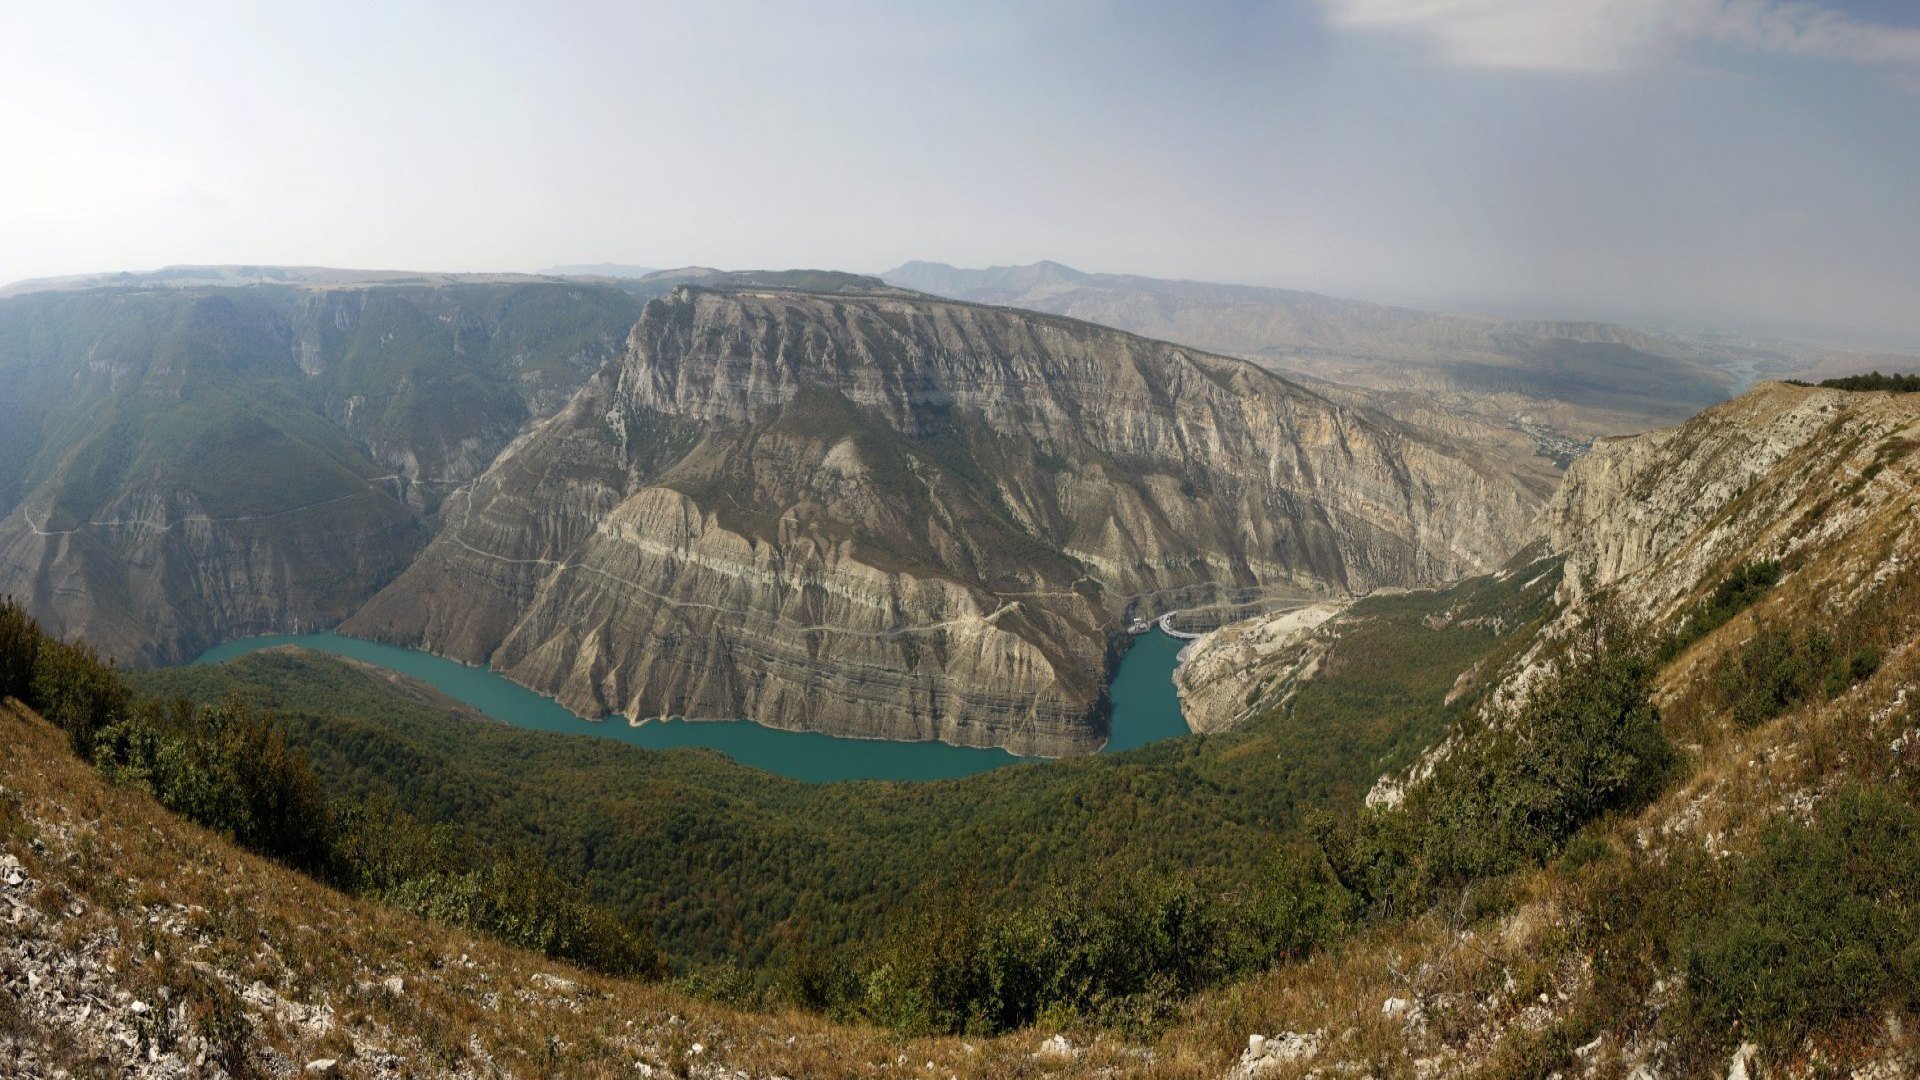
726	862
182	466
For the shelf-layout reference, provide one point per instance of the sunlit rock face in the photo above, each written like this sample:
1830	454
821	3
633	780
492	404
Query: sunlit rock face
901	517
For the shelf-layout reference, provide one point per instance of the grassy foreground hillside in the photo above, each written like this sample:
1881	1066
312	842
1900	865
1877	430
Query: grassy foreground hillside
137	944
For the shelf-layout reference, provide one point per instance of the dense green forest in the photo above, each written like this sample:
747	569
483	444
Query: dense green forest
726	863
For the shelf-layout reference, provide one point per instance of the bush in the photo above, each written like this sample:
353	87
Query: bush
1778	669
76	691
525	904
228	769
1820	928
1747	583
1118	949
1301	908
1586	743
19	650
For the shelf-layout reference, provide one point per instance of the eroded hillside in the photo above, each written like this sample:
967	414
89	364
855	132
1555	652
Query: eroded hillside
180	466
909	518
137	944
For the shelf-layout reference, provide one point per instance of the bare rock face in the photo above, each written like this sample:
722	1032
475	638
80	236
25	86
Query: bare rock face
1778	471
908	518
185	465
1228	674
158	579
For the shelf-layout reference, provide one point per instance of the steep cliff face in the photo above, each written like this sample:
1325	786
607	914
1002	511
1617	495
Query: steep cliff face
1825	479
182	466
434	380
908	518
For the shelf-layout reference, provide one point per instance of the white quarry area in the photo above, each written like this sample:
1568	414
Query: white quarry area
1228	673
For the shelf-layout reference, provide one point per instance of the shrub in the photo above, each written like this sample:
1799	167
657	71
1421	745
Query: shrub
1821	927
1746	584
524	903
1778	669
1586	743
76	691
1118	949
19	649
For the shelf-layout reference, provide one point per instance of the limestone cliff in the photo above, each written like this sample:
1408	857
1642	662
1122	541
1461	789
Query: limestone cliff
156	578
1824	479
901	517
184	465
1825	482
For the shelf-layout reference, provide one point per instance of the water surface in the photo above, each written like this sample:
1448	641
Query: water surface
1145	709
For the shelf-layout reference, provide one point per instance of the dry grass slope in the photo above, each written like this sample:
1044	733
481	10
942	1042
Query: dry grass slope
134	943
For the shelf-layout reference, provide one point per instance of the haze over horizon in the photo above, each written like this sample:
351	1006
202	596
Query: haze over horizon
1737	164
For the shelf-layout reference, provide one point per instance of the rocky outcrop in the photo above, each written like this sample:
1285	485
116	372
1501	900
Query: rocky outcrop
906	518
1782	472
154	578
1231	673
434	381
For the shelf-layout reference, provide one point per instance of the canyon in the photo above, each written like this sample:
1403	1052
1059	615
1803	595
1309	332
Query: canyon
894	516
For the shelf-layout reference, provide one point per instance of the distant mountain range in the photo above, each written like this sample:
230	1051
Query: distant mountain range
1556	383
1581	378
613	270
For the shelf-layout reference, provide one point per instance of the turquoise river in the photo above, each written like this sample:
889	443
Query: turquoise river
1145	709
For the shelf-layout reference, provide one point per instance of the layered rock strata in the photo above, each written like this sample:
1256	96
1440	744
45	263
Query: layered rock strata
901	517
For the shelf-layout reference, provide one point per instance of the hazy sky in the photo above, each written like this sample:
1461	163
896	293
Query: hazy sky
1730	163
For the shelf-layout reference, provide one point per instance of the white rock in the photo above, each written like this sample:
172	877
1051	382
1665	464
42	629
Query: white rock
139	1008
1395	1006
1741	1067
1294	1045
323	1067
395	985
1056	1047
697	1049
1256	1046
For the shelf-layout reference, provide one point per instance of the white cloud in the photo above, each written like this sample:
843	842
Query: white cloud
1609	35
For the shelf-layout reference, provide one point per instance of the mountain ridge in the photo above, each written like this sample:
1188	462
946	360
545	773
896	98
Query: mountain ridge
794	464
